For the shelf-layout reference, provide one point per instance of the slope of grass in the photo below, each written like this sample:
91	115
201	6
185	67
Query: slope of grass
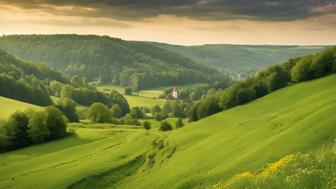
315	169
9	106
246	138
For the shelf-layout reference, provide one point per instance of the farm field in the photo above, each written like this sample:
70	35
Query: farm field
145	98
9	106
292	120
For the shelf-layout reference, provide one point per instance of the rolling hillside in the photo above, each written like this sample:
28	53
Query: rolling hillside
294	119
9	106
109	60
240	58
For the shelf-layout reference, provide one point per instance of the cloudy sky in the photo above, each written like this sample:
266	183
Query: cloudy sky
189	22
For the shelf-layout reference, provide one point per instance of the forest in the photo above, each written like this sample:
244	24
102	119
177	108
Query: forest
104	59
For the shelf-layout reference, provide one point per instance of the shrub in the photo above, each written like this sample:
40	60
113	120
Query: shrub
136	112
116	111
99	113
147	125
25	128
68	107
158	116
179	123
165	126
38	130
128	91
56	122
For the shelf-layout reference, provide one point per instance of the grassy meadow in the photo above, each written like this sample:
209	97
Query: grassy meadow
145	98
292	120
9	106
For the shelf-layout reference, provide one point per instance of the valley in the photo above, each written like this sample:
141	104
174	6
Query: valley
201	154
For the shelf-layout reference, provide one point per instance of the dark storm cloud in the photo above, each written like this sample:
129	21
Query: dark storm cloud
282	10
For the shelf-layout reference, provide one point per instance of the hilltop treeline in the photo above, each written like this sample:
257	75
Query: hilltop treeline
108	60
25	81
32	127
266	81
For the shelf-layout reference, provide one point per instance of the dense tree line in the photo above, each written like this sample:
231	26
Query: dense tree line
134	64
32	127
25	81
88	95
28	89
266	81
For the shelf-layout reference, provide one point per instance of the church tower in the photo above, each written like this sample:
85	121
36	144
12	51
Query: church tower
175	93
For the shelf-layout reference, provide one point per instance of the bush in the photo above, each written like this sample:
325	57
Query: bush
38	130
128	91
147	125
155	109
179	123
301	71
17	130
136	112
130	120
158	116
68	107
23	129
99	113
56	122
165	126
116	111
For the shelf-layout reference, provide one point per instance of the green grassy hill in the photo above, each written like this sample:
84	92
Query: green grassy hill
9	106
294	119
240	58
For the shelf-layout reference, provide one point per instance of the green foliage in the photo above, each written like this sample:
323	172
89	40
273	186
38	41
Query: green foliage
25	81
29	90
245	95
88	95
68	107
77	81
99	113
67	91
158	116
116	111
300	72
155	109
165	126
16	129
267	81
38	129
130	120
25	128
179	123
137	65
128	91
147	125
136	112
56	122
208	107
174	108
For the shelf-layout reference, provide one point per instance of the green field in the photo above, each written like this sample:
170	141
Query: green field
295	119
9	106
143	101
146	98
